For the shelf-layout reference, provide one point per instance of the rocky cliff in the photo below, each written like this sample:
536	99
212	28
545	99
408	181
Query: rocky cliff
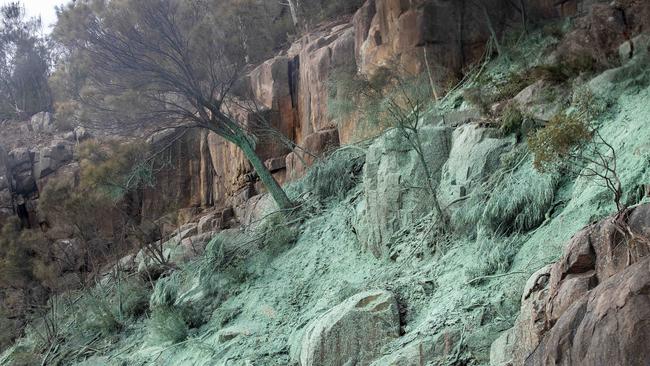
291	89
364	277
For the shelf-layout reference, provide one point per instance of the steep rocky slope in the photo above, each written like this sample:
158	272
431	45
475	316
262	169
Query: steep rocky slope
363	280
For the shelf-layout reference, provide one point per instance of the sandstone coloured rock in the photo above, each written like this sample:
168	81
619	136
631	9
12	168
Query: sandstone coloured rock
592	307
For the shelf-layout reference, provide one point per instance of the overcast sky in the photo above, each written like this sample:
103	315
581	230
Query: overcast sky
42	8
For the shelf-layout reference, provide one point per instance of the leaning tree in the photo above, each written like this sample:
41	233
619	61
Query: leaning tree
165	64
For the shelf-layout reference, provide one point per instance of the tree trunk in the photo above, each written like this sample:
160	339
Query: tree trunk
278	194
294	12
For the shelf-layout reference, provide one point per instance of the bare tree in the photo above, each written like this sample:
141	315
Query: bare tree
172	67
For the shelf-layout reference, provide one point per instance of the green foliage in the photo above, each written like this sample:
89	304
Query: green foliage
98	315
114	169
333	177
132	297
167	324
81	211
511	120
25	261
25	60
514	200
494	254
552	144
15	256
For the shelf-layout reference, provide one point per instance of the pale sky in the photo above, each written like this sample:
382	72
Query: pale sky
44	8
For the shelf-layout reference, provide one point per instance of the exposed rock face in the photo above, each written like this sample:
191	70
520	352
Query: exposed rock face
392	180
536	103
42	122
178	184
353	332
475	153
52	157
598	34
590	308
445	35
291	89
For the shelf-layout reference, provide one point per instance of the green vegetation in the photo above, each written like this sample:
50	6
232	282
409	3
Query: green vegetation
167	324
511	120
515	199
333	177
25	59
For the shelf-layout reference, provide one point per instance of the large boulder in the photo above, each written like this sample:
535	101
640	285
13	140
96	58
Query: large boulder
42	122
592	307
394	185
52	157
353	332
542	100
597	35
475	154
20	171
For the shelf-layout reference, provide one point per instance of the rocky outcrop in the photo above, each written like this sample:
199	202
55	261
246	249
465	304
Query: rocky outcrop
475	153
592	306
42	122
353	332
393	180
291	90
597	35
444	36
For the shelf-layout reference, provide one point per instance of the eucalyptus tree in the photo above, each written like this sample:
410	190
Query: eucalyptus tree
24	64
156	65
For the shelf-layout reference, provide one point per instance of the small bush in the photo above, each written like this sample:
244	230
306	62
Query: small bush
335	176
98	316
513	84
557	140
132	297
511	120
167	324
494	255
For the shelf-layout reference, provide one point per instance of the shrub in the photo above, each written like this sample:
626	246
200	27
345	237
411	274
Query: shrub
335	176
562	135
167	324
114	168
569	143
494	255
511	120
513	84
515	199
98	315
132	297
